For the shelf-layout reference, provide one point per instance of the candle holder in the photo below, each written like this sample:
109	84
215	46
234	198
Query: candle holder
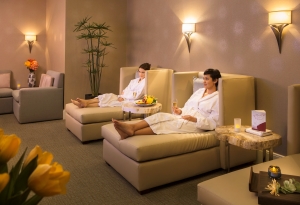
237	124
274	172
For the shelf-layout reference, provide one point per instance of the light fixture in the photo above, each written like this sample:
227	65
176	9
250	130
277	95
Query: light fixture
30	39
187	30
278	20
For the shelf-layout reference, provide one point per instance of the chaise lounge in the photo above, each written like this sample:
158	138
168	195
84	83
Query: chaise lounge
86	123
153	160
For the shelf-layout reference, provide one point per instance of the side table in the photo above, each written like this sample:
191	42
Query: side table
130	107
247	140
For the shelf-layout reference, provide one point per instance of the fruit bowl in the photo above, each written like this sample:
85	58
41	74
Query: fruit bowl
141	103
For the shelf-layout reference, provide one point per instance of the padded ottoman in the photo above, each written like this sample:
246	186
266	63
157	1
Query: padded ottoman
151	160
86	123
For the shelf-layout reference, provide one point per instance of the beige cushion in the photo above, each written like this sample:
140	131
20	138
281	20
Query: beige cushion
46	81
150	147
5	80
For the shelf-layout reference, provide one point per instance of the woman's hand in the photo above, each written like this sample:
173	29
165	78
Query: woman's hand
176	110
189	118
120	99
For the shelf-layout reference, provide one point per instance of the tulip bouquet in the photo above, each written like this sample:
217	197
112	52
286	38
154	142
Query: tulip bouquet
34	174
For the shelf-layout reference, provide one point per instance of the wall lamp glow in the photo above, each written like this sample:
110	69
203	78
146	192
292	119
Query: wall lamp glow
187	30
278	20
30	39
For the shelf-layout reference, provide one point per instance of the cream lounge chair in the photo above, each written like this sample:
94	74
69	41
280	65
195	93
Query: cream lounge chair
153	160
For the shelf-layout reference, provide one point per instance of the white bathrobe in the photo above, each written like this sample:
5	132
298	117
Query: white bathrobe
111	100
205	109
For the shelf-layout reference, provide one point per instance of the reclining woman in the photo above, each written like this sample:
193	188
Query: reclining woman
200	113
135	90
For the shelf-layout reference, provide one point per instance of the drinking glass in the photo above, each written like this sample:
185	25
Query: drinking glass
174	105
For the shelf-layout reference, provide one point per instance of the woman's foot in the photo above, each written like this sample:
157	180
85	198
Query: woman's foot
125	130
75	102
83	102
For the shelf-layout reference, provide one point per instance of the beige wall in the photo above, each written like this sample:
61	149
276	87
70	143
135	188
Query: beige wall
55	28
113	12
18	18
232	36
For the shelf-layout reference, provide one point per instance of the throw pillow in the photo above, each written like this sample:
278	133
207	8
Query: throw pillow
5	80
46	81
197	84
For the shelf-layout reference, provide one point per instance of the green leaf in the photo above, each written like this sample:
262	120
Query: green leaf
20	198
14	172
22	180
3	168
33	200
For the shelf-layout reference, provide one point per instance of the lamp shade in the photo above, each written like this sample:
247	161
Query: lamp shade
188	27
280	17
30	37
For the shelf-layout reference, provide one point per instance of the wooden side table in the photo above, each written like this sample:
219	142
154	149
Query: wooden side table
247	140
130	107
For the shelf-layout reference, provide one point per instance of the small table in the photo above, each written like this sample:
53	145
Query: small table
247	140
130	107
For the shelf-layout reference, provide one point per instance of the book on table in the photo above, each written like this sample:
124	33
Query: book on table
259	133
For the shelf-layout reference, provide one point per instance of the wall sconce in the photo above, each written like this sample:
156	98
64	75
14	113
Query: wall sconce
187	30
278	20
30	39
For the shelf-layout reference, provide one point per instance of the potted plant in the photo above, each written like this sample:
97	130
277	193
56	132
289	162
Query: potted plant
96	44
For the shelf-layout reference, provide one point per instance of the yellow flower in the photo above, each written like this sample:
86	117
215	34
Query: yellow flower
27	63
48	180
9	146
43	157
4	178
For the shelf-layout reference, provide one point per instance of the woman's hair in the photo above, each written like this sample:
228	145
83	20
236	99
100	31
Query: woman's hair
214	74
145	66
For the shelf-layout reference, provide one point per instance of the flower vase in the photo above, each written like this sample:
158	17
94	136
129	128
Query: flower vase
31	79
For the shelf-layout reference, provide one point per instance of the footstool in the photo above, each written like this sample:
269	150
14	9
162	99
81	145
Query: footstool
86	123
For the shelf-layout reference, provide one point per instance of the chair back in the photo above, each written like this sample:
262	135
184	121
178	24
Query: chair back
58	77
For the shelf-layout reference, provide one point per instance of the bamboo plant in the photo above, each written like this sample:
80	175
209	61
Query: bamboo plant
96	44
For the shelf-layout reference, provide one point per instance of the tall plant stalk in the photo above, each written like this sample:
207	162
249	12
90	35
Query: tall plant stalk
96	43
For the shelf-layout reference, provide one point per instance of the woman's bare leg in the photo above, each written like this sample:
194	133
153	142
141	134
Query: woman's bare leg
126	130
81	103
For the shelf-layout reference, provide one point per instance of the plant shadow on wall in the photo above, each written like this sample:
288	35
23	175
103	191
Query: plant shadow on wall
96	45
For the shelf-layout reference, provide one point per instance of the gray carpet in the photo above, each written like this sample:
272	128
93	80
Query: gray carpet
92	180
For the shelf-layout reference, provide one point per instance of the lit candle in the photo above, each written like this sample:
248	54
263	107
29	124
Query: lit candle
274	172
237	124
18	86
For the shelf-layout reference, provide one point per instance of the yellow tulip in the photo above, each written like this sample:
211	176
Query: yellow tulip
48	180
43	157
9	147
4	179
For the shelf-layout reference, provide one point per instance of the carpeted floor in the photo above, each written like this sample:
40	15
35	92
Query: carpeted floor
92	180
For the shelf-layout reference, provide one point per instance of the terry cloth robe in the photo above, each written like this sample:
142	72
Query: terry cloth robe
111	100
205	109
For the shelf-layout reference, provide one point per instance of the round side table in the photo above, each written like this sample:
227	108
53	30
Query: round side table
247	140
130	107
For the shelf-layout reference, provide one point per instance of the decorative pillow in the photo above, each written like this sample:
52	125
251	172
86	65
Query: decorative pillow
46	81
197	84
5	80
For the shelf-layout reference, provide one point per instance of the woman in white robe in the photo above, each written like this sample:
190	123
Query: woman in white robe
134	91
200	113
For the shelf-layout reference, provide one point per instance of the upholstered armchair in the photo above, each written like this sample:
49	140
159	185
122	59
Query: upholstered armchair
40	103
5	92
